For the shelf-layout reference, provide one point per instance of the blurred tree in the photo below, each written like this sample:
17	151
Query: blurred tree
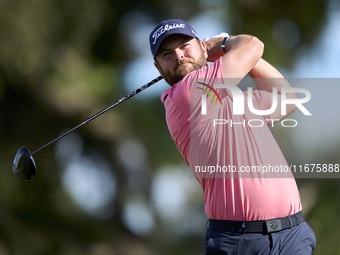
286	27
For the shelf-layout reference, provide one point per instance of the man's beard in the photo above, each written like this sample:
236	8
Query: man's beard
172	77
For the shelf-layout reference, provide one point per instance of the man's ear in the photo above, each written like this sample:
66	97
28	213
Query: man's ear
204	48
156	65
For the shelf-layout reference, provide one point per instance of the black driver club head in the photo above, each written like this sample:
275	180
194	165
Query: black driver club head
23	165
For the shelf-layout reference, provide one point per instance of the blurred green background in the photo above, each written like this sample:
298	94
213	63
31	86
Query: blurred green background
118	185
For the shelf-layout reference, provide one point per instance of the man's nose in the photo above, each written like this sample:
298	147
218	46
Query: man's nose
179	54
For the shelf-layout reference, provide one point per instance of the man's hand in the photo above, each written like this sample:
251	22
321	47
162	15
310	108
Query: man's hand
214	48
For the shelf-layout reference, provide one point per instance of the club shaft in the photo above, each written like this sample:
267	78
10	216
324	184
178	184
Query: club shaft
133	93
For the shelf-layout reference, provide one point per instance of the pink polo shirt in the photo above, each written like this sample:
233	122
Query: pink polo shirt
247	191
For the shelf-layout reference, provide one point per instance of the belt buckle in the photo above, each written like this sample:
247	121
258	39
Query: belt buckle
274	225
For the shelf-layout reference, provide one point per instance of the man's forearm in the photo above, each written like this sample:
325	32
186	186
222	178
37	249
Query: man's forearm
267	76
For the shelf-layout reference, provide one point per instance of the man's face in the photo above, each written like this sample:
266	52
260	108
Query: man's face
179	55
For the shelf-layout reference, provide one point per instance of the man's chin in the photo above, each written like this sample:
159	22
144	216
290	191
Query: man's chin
184	70
179	74
172	80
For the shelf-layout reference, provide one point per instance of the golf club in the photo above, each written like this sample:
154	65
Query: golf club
24	166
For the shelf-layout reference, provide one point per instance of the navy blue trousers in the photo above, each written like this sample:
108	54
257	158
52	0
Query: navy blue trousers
296	240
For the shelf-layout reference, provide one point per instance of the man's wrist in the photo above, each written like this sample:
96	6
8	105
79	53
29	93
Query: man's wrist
225	36
224	43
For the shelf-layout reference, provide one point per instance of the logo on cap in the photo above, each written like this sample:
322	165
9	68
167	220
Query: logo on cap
162	30
167	28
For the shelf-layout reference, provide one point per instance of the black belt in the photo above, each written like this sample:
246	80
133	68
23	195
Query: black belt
261	226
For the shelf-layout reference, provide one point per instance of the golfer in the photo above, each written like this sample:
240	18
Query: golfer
248	213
